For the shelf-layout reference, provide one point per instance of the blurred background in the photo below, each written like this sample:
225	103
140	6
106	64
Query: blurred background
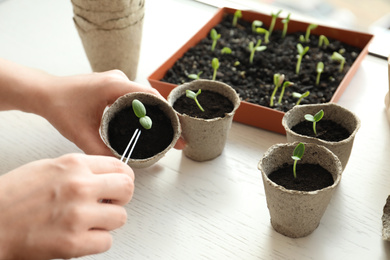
371	16
353	14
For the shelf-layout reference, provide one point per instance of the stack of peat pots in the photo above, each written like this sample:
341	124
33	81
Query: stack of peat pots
111	33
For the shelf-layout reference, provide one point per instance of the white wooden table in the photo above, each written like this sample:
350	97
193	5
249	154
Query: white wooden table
213	210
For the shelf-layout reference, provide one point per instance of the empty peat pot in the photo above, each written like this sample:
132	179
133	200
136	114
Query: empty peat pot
119	123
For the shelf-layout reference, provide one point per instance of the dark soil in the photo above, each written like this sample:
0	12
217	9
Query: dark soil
214	105
327	130
150	142
254	82
310	177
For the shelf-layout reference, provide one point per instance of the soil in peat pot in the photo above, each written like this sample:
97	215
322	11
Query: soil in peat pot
254	82
327	130
152	141
310	177
213	103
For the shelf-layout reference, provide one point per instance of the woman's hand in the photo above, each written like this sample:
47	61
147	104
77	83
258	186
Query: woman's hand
52	208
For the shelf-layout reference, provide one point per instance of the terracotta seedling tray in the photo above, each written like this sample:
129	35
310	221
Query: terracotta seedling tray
252	114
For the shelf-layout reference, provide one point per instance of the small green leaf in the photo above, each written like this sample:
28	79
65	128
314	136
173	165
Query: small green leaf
191	94
215	63
138	108
146	122
317	117
226	50
320	67
309	117
299	151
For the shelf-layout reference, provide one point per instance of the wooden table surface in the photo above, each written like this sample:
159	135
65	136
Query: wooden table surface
212	210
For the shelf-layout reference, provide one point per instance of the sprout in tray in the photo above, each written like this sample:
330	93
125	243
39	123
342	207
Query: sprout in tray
140	111
278	80
300	96
215	66
285	85
301	51
285	22
323	41
252	48
195	76
316	118
237	15
320	69
265	32
256	24
338	57
274	16
215	36
226	50
297	155
191	94
308	31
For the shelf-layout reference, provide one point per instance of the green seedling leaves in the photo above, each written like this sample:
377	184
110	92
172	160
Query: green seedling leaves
308	30
338	57
285	22
316	118
140	111
252	48
297	155
301	51
255	24
191	94
300	96
226	50
237	15
138	108
146	122
195	76
215	66
215	37
320	69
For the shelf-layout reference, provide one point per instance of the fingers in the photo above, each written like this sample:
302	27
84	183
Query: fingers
118	188
107	216
105	164
180	144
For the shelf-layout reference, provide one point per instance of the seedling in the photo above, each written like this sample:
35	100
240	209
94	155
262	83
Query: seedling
320	69
301	51
237	15
215	37
316	118
226	50
255	24
323	41
308	30
300	96
285	85
274	16
278	80
253	49
191	94
265	32
338	57
140	111
215	66
297	156
285	22
195	76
